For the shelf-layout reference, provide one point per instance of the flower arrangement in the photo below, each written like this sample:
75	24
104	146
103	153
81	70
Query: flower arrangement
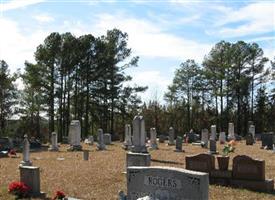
228	148
19	189
59	195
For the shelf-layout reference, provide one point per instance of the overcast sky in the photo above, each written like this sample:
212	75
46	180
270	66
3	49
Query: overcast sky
162	33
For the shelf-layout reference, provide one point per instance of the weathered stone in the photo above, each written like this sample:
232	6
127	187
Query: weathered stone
171	136
166	183
75	135
222	138
26	152
138	159
247	168
268	139
107	138
100	140
54	145
139	135
213	132
179	144
128	136
204	137
200	162
30	175
231	132
213	147
249	139
85	154
191	136
153	139
251	130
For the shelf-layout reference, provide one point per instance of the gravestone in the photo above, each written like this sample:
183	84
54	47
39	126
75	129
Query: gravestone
249	139
138	159
268	140
179	144
91	140
74	135
166	183
213	147
128	136
100	140
26	152
204	138
139	136
222	138
247	168
85	154
153	139
54	145
107	138
30	175
231	132
252	130
191	136
162	138
200	162
213	132
171	136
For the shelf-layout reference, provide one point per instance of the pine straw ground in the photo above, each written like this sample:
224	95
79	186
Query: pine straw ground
101	177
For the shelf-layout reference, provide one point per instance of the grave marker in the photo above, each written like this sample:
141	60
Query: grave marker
171	136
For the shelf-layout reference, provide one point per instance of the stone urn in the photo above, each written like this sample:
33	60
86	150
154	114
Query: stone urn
223	162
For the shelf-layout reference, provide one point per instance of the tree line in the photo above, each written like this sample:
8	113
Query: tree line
84	78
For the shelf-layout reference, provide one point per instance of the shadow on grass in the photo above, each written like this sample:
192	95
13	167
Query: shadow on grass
166	162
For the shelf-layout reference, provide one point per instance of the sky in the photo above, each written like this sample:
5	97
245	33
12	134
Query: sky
163	33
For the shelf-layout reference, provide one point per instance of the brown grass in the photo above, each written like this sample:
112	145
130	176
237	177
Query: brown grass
101	177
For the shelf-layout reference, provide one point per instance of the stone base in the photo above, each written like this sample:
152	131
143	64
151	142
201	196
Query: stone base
139	149
259	186
138	159
25	163
75	148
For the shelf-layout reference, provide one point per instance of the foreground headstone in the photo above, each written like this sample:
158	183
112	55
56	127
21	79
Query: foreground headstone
204	138
30	175
213	132
179	144
231	132
139	135
54	145
128	137
171	136
75	135
166	183
26	152
100	140
107	138
222	138
153	139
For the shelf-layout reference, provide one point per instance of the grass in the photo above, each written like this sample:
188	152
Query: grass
101	177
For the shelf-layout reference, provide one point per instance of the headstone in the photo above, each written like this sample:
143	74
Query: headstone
128	136
252	130
26	152
54	145
171	136
162	138
247	168
86	155
153	139
268	139
166	183
139	136
201	162
204	138
75	135
179	144
191	136
107	138
222	138
213	147
138	159
231	132
213	132
249	139
30	175
91	140
100	140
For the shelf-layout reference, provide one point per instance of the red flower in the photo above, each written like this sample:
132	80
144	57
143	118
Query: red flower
59	195
12	152
19	189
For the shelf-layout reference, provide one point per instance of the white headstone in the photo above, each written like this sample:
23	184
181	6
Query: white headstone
139	136
166	183
252	130
54	145
75	135
26	152
213	132
153	138
100	139
128	136
171	136
204	137
231	132
222	138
